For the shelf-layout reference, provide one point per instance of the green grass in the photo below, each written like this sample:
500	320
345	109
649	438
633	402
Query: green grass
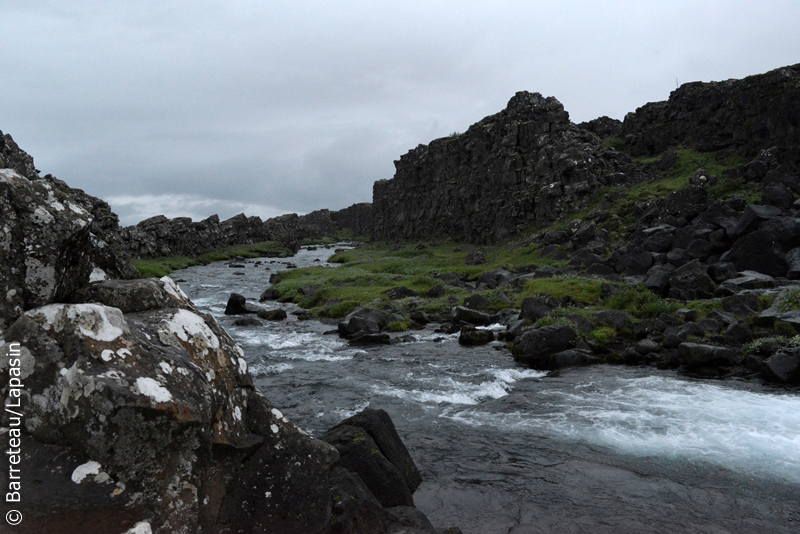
158	267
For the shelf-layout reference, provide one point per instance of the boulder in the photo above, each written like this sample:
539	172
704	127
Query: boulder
247	321
273	315
360	453
691	282
173	417
55	240
782	367
419	316
778	195
473	337
616	319
721	271
535	346
475	258
492	279
793	258
573	358
269	294
695	355
687	202
237	305
400	292
131	296
364	319
436	291
468	315
534	308
476	301
758	251
754	215
370	338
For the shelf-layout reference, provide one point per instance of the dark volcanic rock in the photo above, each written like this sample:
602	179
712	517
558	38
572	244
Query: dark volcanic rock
691	282
364	320
54	240
534	347
472	337
273	315
782	367
701	355
380	427
237	305
534	308
360	453
745	115
171	406
460	313
758	251
159	236
526	163
400	292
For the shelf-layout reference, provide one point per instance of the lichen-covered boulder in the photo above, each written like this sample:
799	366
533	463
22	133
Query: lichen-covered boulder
151	416
52	243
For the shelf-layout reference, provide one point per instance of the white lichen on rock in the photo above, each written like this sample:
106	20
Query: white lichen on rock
84	470
149	387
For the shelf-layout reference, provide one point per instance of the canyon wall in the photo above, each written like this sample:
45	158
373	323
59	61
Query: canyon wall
527	164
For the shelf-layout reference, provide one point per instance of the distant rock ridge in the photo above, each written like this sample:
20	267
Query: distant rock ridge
326	223
159	236
526	164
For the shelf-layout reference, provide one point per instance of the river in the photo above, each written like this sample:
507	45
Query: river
504	449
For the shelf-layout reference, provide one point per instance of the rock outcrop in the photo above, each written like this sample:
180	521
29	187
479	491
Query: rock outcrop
355	219
159	236
526	164
745	116
53	240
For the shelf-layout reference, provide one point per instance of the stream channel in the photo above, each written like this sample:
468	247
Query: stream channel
505	449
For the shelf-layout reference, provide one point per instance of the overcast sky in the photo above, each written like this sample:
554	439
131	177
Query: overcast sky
190	108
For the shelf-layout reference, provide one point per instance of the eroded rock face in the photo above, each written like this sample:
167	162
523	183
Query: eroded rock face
52	243
747	115
152	415
527	163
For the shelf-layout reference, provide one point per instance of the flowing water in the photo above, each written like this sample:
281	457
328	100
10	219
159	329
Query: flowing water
507	449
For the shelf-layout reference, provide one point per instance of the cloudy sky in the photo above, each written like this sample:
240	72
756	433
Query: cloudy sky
190	108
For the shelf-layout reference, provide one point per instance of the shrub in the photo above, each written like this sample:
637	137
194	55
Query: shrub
789	300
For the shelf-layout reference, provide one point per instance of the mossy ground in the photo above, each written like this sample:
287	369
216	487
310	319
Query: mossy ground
365	274
159	267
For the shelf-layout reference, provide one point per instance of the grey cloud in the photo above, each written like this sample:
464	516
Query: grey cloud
274	107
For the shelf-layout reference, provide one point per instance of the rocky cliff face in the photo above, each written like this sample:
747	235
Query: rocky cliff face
526	164
54	238
748	115
357	219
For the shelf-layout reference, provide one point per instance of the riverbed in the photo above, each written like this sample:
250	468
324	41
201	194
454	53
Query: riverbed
506	449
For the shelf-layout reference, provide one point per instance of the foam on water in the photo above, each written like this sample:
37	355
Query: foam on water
260	369
446	390
666	417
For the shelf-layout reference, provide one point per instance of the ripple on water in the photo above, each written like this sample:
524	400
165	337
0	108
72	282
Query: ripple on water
664	417
449	390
